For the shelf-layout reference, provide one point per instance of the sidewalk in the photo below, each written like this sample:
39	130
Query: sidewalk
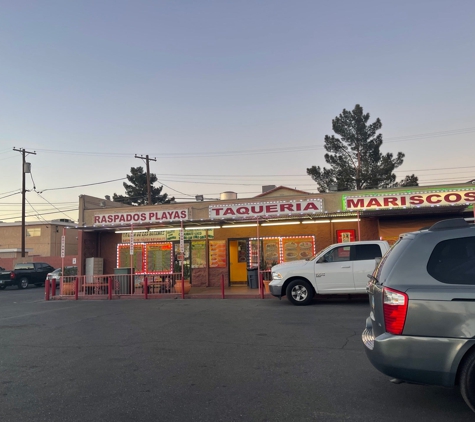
234	292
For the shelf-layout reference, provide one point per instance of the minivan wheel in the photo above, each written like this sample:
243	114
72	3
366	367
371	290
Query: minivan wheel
299	292
23	284
467	380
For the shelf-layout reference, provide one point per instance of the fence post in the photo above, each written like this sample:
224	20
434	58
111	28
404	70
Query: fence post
76	288
145	287
182	286
47	290
261	284
53	287
109	287
222	286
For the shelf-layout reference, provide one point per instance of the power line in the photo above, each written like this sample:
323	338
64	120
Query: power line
404	138
81	186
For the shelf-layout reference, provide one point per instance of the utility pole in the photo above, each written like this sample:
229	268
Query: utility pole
25	169
149	188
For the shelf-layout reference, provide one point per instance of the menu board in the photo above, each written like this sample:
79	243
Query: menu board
297	248
198	254
124	257
159	257
271	251
217	254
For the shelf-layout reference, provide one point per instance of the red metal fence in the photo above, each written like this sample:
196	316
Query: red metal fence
115	286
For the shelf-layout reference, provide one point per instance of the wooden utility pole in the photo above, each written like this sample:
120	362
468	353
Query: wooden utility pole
149	188
23	195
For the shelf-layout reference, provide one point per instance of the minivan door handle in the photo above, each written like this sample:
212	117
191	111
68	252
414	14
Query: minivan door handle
346	266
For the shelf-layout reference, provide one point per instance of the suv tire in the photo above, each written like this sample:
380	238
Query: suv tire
467	380
299	292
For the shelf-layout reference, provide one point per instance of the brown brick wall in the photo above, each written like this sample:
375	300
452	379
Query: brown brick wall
54	261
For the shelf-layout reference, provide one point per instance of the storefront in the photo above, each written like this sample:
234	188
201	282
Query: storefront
209	240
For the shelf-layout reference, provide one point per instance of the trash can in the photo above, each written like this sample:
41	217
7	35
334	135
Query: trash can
253	277
122	278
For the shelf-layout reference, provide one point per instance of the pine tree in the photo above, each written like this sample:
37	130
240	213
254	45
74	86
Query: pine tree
136	192
354	157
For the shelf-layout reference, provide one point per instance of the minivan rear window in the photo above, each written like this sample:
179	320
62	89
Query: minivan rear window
453	261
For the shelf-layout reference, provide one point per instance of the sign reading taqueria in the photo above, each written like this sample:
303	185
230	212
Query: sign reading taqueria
409	200
262	209
142	217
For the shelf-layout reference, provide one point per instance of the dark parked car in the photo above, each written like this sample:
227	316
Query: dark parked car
24	274
421	327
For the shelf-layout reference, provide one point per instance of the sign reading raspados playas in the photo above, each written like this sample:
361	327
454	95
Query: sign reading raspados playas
142	217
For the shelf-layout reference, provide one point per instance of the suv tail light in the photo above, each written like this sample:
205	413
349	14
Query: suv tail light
12	275
395	310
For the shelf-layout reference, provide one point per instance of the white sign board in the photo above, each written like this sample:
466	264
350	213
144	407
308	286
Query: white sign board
131	243
266	209
182	240
142	217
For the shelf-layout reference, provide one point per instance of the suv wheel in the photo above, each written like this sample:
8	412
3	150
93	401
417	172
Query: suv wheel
467	380
23	284
299	292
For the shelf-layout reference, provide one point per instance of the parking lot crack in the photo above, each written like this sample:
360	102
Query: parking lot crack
348	339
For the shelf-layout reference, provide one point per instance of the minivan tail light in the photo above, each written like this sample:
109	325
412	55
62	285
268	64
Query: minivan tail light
395	310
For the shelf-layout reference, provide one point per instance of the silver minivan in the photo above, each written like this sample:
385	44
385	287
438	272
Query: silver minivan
421	326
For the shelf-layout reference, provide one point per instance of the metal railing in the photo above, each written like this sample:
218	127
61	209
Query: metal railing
115	286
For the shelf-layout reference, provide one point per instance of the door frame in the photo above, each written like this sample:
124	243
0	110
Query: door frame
231	239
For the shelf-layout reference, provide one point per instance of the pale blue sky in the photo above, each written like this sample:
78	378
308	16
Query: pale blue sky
187	81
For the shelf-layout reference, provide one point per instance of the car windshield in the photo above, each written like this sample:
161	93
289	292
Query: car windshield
56	271
318	253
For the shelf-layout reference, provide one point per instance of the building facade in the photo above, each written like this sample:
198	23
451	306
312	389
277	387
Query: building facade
224	238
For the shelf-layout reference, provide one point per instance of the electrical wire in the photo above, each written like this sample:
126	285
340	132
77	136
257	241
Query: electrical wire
38	215
42	197
81	186
404	138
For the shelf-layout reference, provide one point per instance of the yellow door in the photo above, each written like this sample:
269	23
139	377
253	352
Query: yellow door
237	262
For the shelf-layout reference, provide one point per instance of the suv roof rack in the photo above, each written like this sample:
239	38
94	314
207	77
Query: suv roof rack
453	223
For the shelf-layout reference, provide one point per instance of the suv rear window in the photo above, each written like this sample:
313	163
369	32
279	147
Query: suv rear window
453	261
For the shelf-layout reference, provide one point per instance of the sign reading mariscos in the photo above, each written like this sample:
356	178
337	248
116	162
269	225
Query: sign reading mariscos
142	217
409	200
278	208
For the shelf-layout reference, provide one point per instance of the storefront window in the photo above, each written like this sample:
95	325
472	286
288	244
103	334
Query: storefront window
274	250
123	257
159	257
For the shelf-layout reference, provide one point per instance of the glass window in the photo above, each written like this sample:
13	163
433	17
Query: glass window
338	254
367	252
453	261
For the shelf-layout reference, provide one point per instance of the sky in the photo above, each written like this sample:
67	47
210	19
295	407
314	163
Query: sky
226	95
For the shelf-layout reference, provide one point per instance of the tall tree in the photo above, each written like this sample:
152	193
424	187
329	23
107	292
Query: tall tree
136	192
354	156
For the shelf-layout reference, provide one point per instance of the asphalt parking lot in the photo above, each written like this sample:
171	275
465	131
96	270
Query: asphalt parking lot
198	360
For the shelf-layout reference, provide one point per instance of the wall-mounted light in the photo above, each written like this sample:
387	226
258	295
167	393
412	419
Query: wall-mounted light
203	228
281	223
165	229
236	226
315	221
130	231
345	220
